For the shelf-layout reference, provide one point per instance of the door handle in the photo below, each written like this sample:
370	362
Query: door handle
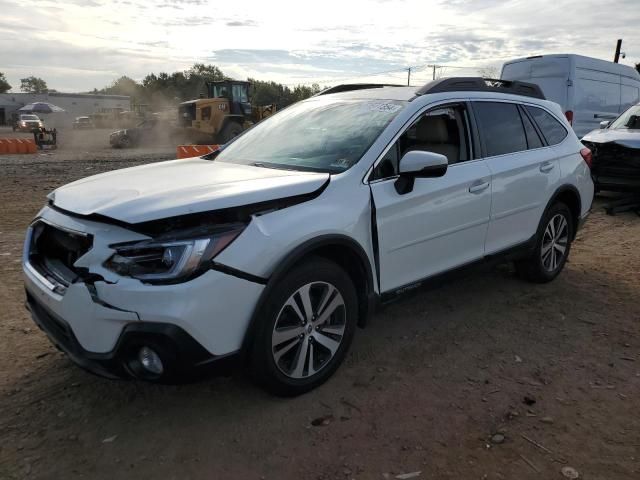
479	187
546	167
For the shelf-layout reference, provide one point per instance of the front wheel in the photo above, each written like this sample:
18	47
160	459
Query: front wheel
553	243
307	327
229	132
125	142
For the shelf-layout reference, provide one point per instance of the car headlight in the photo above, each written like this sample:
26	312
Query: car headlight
170	261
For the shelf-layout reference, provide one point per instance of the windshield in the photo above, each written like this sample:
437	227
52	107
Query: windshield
29	117
323	135
629	119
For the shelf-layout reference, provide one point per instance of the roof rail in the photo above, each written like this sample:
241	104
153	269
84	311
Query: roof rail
348	87
479	84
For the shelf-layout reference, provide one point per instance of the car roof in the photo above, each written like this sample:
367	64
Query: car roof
383	93
410	93
451	85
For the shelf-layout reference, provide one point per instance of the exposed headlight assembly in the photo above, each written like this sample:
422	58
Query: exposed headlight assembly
172	260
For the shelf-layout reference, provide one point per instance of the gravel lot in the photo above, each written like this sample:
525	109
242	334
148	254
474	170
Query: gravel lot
486	378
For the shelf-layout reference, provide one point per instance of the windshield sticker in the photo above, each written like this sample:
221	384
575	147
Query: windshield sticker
384	107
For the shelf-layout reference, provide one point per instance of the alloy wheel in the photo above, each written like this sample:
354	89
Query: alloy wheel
554	242
308	330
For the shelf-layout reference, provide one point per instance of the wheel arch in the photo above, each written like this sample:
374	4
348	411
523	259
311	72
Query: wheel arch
341	249
570	196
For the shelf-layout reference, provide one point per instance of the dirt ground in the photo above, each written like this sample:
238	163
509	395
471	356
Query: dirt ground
485	378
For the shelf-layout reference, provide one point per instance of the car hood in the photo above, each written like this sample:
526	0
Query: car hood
179	187
626	138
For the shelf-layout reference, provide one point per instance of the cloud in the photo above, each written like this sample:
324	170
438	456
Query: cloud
241	23
58	40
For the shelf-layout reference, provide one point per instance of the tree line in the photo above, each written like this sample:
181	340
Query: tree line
27	85
160	90
167	89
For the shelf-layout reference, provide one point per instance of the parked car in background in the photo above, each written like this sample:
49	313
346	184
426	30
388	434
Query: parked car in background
82	122
616	152
588	90
150	130
274	248
27	123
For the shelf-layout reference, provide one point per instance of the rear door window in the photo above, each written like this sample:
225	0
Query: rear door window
552	129
501	127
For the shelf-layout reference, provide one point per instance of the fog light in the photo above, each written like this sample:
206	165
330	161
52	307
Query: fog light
150	361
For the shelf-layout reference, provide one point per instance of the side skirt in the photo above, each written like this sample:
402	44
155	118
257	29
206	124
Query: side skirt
520	251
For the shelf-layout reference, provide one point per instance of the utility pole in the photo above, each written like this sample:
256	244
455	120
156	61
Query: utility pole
408	75
616	58
434	69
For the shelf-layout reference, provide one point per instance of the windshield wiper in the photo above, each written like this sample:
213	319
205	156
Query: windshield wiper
295	168
274	166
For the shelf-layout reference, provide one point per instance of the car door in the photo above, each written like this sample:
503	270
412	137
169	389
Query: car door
523	172
442	222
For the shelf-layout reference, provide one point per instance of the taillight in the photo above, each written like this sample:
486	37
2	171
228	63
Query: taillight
569	115
587	156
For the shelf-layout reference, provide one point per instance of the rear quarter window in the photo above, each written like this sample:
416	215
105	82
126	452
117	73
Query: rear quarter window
554	132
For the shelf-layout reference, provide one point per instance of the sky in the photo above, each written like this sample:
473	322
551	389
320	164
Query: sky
78	45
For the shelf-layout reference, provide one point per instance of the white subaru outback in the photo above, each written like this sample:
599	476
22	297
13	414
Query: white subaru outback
274	248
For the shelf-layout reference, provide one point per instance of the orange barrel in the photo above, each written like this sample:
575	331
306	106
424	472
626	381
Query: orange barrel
190	151
22	145
12	147
31	146
3	146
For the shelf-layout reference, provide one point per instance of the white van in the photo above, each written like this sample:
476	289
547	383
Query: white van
588	90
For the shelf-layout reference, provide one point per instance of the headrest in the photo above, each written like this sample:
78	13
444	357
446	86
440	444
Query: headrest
432	129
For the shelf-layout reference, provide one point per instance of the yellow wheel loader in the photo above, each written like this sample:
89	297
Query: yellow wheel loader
226	113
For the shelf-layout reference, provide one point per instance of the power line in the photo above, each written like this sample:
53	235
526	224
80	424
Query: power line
437	72
350	77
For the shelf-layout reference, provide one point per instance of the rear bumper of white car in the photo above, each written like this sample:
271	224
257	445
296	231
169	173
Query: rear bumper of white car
103	325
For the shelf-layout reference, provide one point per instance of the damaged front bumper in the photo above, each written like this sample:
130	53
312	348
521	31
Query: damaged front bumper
102	320
616	166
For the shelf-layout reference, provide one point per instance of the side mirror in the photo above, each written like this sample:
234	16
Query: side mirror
605	124
419	164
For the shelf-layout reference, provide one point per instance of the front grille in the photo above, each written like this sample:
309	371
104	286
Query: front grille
53	252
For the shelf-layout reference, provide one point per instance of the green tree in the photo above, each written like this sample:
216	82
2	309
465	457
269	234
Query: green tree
125	86
168	89
265	93
122	86
4	85
33	85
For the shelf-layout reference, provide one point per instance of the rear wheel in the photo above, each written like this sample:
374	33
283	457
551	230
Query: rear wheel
308	324
553	243
229	132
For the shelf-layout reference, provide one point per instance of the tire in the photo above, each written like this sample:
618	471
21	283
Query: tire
555	232
323	337
229	132
124	142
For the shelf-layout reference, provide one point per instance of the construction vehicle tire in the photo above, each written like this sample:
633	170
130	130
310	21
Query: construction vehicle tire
230	131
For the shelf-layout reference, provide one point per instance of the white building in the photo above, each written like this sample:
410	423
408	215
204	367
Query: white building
74	104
